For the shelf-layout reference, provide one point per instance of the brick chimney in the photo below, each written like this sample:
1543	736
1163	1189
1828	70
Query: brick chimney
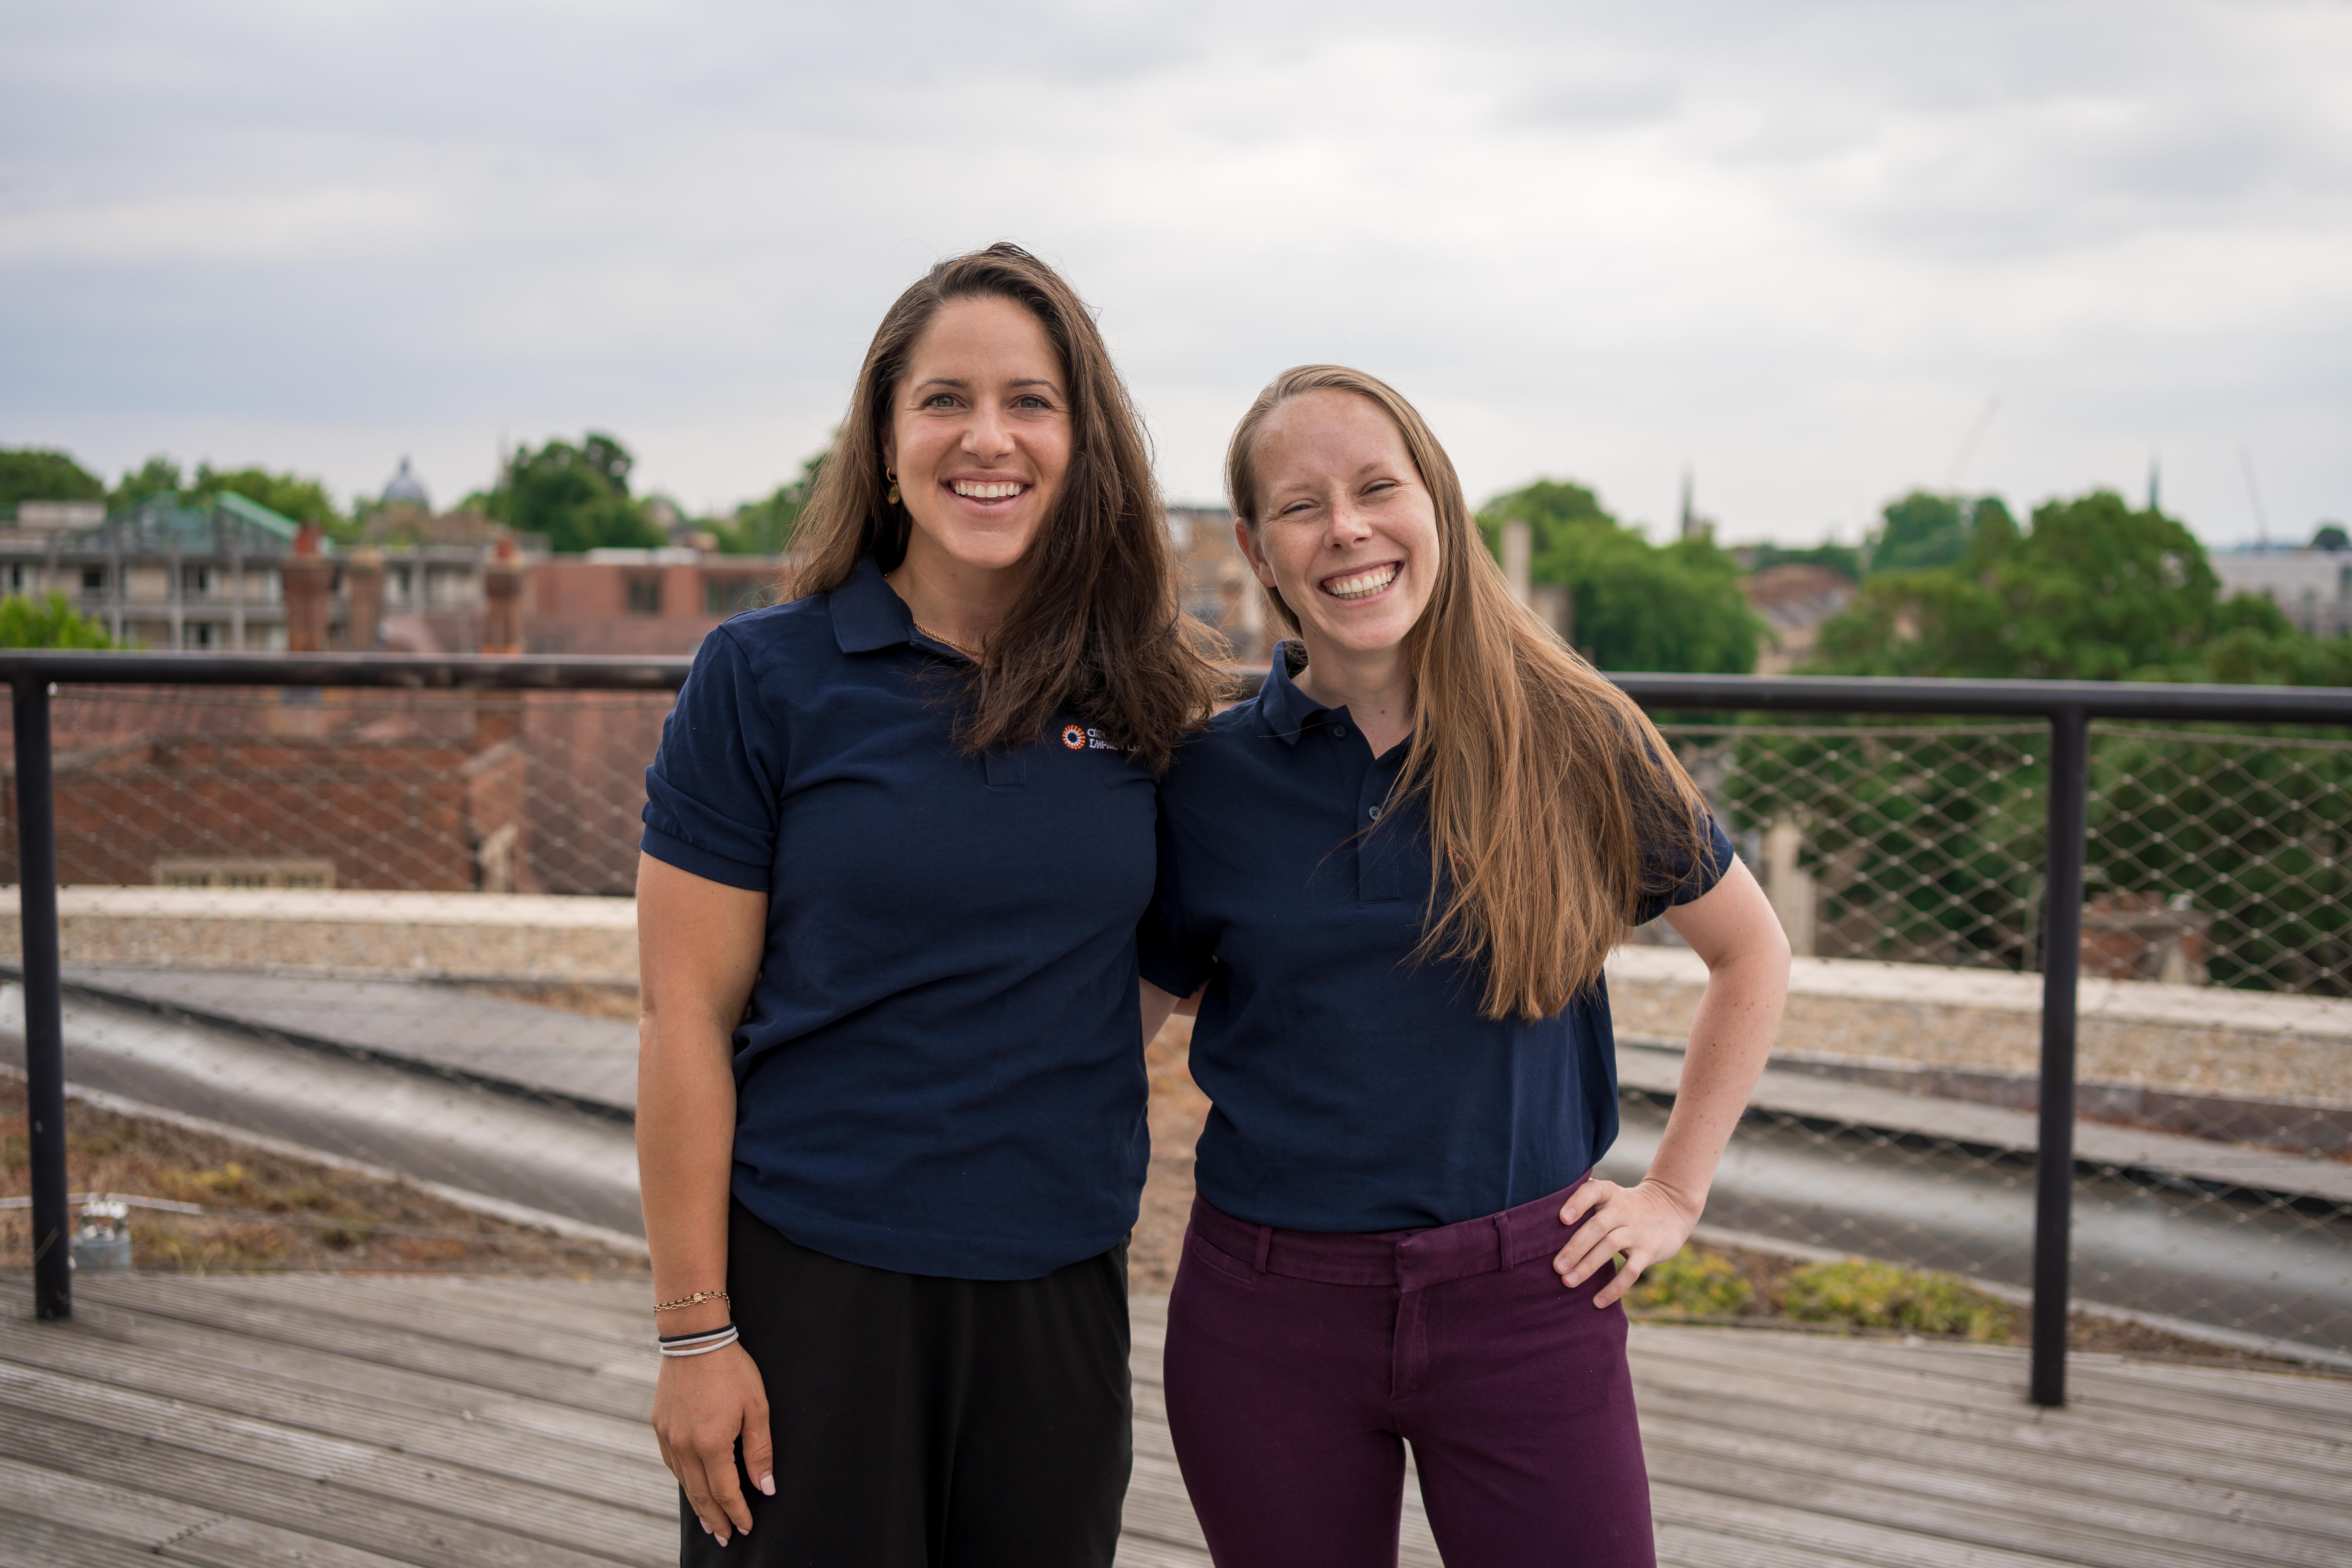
502	577
364	596
307	576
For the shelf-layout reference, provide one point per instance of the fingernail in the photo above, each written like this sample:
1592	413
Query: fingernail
768	1485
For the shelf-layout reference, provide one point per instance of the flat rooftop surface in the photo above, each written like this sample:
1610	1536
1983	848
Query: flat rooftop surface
498	1422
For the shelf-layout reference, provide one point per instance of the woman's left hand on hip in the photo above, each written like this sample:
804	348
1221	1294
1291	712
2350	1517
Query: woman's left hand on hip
1645	1224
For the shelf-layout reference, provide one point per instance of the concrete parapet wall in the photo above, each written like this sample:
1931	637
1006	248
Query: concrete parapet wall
453	936
2184	1039
2187	1039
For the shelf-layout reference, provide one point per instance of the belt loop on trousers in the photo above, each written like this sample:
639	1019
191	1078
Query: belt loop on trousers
1502	1245
1265	1245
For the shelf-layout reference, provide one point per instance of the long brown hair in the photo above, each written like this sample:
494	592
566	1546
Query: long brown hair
1098	630
1554	804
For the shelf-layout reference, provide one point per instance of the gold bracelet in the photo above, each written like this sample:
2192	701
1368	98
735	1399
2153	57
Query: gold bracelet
696	1300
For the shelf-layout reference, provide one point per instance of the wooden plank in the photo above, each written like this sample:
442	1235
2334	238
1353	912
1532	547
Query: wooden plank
461	1307
145	1526
543	1501
640	1516
1930	1377
1683	1546
1138	1552
248	1543
408	1533
26	1542
1779	1524
589	1387
34	1491
1867	1419
1911	1499
199	1352
2324	1394
2325	1397
277	1301
479	1426
365	1308
1691	1448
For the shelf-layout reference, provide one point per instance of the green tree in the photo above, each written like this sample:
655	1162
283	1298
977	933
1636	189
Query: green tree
763	527
49	622
1638	606
33	473
288	495
2248	827
577	496
1924	529
1842	559
2092	591
159	475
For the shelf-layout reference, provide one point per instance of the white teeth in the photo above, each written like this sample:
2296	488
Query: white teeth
986	492
1363	585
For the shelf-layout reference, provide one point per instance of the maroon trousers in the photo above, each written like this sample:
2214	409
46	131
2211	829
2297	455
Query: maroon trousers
1300	1364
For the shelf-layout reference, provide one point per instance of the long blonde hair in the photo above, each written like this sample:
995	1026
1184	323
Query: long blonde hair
1554	806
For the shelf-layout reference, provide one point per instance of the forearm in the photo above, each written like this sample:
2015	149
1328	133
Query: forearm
1737	1017
685	1146
1156	1004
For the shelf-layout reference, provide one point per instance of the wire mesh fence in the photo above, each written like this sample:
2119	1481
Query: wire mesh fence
352	972
2214	1148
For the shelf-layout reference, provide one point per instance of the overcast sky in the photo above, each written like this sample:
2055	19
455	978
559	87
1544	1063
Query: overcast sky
1799	247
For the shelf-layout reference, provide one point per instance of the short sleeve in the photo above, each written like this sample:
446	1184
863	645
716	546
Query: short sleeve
1671	868
715	787
1166	952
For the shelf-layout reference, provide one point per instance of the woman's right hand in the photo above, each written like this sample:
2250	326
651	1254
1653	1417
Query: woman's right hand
702	1405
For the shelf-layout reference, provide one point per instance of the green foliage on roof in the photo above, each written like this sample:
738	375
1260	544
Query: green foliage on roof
49	622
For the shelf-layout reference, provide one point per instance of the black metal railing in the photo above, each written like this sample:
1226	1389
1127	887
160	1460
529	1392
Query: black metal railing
2067	708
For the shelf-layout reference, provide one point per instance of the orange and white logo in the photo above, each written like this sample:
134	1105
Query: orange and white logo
1073	737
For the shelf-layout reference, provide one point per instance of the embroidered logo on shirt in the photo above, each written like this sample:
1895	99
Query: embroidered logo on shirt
1073	737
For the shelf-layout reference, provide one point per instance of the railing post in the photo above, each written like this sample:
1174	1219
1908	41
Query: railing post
2061	964
44	1064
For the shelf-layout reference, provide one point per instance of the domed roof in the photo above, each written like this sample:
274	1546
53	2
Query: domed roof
406	489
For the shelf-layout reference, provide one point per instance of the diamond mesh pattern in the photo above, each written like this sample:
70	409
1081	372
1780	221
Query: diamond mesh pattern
2214	1179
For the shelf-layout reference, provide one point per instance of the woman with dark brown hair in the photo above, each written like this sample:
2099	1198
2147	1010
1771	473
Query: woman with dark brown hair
1396	873
890	1113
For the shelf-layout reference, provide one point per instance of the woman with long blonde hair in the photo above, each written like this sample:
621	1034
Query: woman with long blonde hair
1392	878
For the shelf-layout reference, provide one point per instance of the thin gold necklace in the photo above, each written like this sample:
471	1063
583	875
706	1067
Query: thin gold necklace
971	653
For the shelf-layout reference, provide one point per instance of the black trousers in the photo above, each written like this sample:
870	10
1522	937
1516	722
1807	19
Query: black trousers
928	1423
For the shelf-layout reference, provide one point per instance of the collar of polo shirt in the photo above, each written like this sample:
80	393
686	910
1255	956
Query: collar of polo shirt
867	613
1283	711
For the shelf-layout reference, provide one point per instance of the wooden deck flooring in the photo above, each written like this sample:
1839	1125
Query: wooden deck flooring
360	1422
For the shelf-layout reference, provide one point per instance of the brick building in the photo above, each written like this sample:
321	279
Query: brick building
1218	586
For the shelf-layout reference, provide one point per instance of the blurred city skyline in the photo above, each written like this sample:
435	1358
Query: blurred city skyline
1797	251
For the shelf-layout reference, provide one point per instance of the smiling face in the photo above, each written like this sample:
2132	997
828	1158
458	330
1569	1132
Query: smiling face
980	434
1347	531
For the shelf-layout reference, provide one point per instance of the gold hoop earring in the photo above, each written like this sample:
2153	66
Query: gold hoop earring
894	486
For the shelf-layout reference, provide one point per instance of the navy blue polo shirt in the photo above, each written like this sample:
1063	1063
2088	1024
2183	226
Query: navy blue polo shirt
942	1071
1353	1090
